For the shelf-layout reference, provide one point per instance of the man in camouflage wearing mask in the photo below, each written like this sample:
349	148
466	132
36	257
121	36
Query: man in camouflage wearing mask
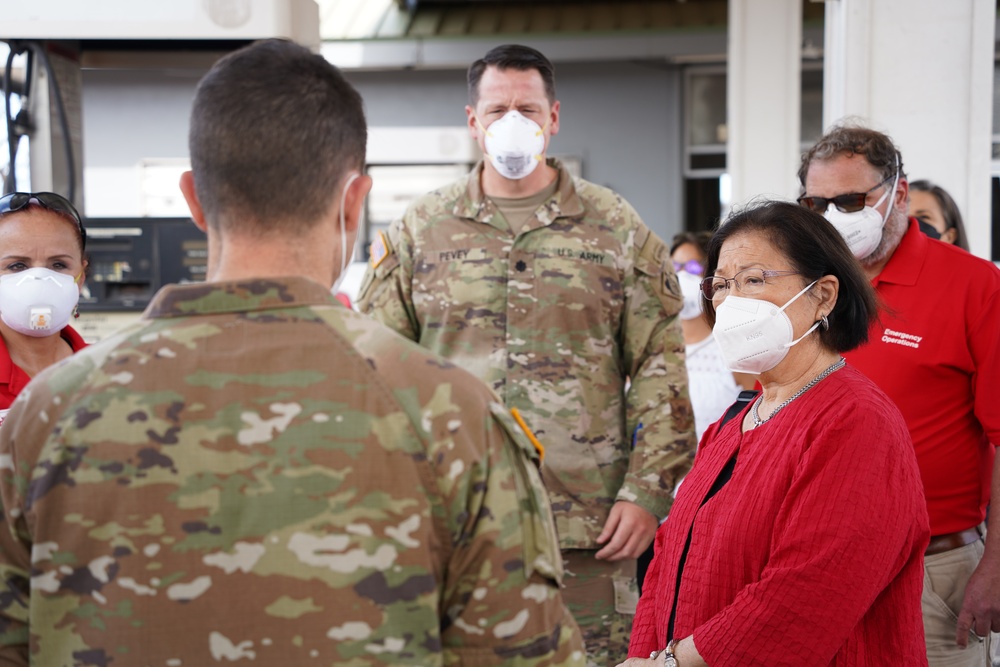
554	292
254	471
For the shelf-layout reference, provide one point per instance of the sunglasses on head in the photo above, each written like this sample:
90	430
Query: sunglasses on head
15	201
849	203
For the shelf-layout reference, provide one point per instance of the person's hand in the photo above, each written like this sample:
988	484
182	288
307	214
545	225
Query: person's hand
628	531
981	606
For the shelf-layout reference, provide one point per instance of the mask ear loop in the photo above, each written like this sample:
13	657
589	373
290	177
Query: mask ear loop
789	302
895	182
540	133
480	124
486	132
344	260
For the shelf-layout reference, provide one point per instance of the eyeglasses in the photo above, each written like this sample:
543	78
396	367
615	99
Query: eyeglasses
15	201
849	203
692	266
747	281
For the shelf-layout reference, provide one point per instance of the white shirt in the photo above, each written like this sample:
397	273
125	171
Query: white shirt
710	384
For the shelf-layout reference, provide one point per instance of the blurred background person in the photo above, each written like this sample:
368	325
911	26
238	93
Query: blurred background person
42	265
712	386
798	536
932	206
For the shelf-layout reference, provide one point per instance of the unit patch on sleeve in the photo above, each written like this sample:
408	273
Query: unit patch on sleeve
379	250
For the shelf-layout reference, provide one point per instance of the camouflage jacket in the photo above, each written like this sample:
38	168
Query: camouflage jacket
255	472
555	319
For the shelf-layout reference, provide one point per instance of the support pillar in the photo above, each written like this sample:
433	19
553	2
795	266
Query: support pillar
764	89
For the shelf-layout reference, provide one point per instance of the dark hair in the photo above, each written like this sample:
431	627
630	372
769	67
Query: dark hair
513	56
815	249
949	209
847	139
699	240
274	129
13	202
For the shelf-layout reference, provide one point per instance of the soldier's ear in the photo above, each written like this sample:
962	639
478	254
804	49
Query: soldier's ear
191	197
354	200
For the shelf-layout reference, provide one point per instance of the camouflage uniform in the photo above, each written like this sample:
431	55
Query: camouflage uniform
255	472
555	318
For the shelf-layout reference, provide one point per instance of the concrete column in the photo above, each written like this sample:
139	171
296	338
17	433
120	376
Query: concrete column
764	90
921	71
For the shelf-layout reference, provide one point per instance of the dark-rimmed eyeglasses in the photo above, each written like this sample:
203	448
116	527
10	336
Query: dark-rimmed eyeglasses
692	266
15	201
747	281
849	203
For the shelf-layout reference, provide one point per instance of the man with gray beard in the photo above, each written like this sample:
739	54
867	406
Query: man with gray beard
936	353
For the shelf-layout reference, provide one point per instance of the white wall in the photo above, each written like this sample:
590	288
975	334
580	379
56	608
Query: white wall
921	71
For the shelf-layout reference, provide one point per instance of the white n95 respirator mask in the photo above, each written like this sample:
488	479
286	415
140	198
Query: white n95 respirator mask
514	145
862	230
37	302
694	302
754	335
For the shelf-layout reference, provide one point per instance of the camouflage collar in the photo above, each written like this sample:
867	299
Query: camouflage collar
475	205
237	296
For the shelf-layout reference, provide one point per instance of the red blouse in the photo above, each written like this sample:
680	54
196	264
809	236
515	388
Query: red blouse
812	553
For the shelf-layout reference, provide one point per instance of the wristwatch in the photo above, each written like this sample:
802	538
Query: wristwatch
669	660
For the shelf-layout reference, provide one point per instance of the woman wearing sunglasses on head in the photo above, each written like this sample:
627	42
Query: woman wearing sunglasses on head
798	536
41	273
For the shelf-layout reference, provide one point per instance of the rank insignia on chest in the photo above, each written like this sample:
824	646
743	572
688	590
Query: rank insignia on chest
379	250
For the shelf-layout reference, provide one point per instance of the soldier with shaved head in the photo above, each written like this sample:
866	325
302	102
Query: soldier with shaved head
253	471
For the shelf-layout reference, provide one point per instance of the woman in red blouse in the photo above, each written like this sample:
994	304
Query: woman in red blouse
798	536
42	265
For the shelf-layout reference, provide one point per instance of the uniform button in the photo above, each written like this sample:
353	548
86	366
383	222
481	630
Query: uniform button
520	266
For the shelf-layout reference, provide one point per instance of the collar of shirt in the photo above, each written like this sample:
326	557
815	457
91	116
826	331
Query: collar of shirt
237	296
477	206
904	267
14	377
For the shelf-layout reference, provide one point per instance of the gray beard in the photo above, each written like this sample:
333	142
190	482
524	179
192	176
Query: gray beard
892	233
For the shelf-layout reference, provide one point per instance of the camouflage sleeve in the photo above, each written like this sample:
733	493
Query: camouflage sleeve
659	416
501	595
14	568
386	292
15	539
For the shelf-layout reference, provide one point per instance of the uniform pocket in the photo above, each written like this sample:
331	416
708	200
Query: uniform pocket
626	594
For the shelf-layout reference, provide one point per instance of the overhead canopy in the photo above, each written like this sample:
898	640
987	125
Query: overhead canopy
393	19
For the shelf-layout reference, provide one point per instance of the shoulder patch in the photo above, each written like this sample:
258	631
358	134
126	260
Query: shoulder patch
527	431
380	249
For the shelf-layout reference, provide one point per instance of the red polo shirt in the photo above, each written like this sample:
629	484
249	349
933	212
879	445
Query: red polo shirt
13	379
936	353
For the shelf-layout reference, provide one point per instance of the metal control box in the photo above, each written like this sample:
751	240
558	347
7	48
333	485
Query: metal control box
131	258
